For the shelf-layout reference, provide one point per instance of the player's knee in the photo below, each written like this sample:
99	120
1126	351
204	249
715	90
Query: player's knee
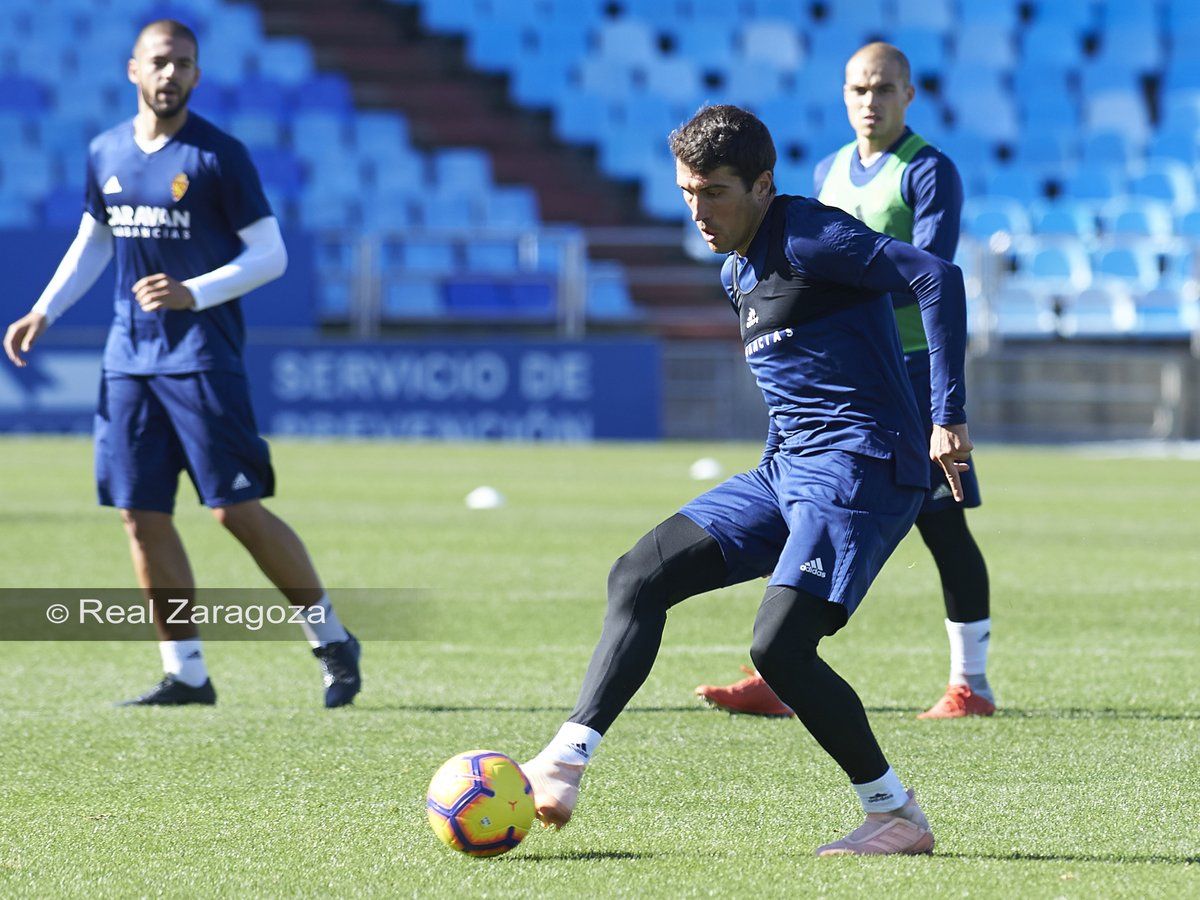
632	585
242	520
145	527
943	530
787	629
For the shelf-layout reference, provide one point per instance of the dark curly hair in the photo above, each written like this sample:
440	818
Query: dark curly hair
724	136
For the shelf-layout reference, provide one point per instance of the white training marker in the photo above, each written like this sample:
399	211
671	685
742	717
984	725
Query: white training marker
705	469
485	497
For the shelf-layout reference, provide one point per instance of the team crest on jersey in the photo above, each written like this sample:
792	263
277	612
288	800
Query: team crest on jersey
752	318
179	186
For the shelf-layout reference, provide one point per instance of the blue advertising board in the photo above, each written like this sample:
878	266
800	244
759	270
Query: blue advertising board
437	389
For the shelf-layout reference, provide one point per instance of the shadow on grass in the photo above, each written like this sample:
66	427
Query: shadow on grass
1073	712
1108	713
1180	860
449	708
576	855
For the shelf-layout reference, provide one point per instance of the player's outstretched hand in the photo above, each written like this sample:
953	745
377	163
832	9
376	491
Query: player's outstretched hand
21	336
950	447
161	291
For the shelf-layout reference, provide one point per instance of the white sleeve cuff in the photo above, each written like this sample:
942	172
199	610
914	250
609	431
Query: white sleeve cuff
263	259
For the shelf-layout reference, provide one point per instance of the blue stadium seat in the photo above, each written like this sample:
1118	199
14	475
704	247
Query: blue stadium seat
18	129
1132	266
1188	225
1168	180
744	84
1120	110
510	207
278	169
673	78
1065	218
1058	43
984	216
256	130
627	41
388	212
607	293
493	255
326	91
452	210
998	15
1165	313
771	42
26	174
925	47
581	117
288	61
1178	144
989	113
375	128
320	135
325	213
412	298
712	47
462	169
1110	147
1098	313
428	255
565	40
1076	15
1022	312
1094	182
1043	150
933	14
62	209
402	172
497	46
984	43
1017	183
1137	217
262	96
1179	266
1057	267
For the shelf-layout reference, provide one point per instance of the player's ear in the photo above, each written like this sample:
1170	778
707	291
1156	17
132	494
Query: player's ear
131	70
763	183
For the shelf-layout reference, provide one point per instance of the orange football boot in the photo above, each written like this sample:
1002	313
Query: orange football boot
751	696
959	701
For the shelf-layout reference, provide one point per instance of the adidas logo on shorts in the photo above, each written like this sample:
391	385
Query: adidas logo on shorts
814	567
241	482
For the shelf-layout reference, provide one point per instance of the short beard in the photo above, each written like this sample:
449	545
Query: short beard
170	112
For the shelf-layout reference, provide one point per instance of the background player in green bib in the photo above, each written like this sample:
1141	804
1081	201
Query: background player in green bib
898	184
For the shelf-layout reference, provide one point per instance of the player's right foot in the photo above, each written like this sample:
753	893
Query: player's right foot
904	831
555	789
339	663
751	696
170	692
959	701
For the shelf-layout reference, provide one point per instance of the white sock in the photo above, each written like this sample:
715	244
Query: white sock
184	660
884	794
968	648
575	744
322	625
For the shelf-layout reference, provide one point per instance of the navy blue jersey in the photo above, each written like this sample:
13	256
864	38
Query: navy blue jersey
177	211
820	335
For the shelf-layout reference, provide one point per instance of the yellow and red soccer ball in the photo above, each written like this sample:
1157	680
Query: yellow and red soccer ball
480	803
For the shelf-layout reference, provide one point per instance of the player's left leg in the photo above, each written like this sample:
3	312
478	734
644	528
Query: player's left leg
789	625
964	579
230	465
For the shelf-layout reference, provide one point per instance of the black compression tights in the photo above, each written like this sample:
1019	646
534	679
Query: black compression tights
677	560
960	564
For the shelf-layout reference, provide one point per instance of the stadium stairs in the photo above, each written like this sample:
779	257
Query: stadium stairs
392	62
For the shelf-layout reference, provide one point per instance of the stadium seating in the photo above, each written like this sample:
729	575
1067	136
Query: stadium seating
325	165
1071	121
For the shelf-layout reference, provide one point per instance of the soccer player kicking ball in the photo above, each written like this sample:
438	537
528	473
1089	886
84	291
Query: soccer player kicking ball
843	478
898	184
180	205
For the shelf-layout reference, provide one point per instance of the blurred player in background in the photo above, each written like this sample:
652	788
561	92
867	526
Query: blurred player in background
180	205
898	184
843	476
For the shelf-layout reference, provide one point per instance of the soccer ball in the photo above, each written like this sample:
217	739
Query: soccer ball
480	803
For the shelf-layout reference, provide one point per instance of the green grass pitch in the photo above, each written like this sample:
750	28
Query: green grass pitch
1087	784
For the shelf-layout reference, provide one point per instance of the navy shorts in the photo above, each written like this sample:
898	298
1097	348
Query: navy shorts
149	428
824	523
940	496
